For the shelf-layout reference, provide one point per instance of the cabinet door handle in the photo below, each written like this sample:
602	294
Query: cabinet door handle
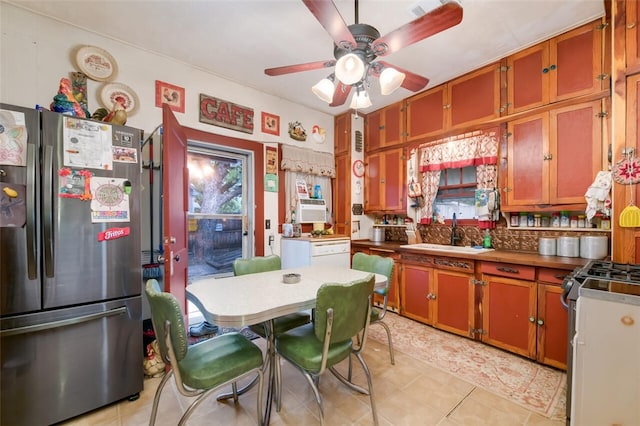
532	319
431	296
548	157
508	270
540	322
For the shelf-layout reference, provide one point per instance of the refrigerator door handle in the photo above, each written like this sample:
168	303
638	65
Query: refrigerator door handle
47	210
32	263
63	323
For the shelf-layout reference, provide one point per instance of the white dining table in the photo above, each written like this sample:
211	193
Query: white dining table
250	299
243	300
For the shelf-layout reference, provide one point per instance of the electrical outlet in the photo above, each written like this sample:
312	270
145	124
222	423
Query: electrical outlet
271	239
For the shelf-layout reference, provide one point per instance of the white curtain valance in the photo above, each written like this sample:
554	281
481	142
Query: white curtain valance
303	160
472	149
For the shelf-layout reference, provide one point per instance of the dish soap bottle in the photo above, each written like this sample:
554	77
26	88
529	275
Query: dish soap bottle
486	242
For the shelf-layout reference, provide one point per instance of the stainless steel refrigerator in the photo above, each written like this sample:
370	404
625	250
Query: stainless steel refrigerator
70	267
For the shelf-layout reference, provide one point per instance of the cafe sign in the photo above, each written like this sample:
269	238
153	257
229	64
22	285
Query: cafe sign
225	114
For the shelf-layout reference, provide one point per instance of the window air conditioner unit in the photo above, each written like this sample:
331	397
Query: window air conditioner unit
311	210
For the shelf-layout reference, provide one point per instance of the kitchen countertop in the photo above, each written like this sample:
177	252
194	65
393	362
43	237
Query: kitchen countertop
505	256
319	238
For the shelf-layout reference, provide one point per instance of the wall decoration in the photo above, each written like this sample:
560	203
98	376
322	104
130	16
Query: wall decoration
297	132
113	94
96	63
318	134
219	112
272	160
358	168
171	95
270	123
271	182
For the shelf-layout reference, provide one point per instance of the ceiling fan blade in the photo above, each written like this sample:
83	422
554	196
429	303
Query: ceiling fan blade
446	16
413	82
329	17
309	66
340	95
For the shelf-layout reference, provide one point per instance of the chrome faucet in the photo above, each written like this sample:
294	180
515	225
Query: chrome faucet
454	231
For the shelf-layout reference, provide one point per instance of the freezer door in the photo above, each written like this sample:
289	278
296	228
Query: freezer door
62	363
78	267
20	273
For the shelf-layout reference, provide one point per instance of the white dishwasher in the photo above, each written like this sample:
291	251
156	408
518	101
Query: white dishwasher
329	251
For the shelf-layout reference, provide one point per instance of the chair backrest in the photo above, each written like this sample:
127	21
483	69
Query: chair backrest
256	264
350	303
375	264
165	308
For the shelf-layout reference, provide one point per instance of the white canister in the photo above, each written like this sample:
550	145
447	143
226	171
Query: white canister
594	247
568	246
287	230
547	246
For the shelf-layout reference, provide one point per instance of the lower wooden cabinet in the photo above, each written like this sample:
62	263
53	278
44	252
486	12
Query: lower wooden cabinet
433	294
522	313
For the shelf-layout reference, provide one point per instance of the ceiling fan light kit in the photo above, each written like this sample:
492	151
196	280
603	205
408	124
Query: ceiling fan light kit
324	89
390	80
350	69
357	46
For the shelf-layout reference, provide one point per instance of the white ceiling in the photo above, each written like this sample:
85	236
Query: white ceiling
238	39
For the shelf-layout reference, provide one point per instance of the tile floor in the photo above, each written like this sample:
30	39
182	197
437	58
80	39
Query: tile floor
410	392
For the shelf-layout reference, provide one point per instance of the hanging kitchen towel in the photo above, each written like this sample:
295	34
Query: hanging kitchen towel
597	195
487	204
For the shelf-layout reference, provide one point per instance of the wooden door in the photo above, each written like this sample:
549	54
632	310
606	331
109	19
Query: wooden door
509	314
528	161
552	327
425	113
453	308
372	131
392	125
175	206
373	183
416	292
575	62
576	151
342	195
342	141
475	97
528	78
393	182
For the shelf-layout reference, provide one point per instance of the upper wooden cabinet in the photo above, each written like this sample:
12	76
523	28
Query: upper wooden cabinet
384	127
632	34
385	181
563	67
471	99
342	195
342	136
552	157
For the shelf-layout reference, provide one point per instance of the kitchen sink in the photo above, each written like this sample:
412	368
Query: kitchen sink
448	248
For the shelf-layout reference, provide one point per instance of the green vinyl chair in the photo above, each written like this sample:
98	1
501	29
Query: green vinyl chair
342	312
204	367
383	266
264	264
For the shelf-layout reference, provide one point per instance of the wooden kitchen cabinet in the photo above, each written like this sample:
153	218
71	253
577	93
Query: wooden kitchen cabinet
342	195
523	314
437	291
465	101
426	113
553	157
393	302
384	127
561	68
551	319
385	181
474	98
509	307
632	35
416	291
342	137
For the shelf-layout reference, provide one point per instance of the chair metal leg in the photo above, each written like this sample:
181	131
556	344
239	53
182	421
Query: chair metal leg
313	382
386	328
156	398
370	384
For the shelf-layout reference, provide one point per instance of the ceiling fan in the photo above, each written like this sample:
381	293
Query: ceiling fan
357	46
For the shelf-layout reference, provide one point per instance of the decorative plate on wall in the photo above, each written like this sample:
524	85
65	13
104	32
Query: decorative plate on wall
96	63
118	92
